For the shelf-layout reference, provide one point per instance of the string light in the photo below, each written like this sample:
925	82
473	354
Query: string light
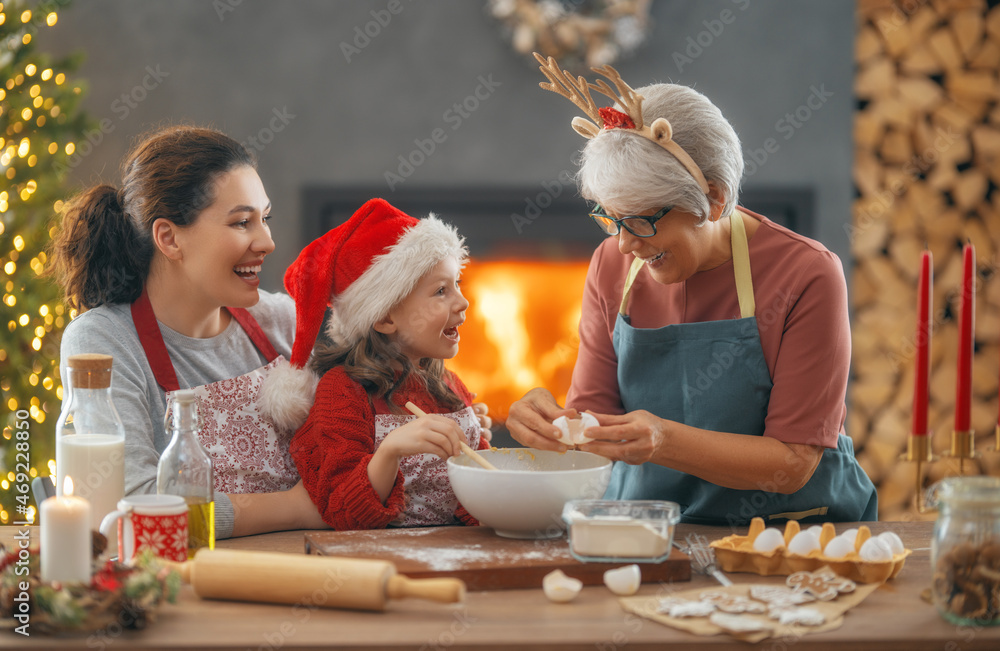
38	127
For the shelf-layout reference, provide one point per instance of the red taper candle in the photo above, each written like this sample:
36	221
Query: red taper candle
966	328
925	291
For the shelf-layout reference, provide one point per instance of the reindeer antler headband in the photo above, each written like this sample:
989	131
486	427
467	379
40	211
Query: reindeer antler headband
578	91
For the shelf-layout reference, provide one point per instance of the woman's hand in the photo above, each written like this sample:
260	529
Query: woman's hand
635	437
530	420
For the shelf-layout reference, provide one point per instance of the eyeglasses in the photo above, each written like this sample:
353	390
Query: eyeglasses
638	225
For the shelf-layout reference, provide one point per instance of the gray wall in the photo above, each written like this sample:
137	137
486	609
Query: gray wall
239	64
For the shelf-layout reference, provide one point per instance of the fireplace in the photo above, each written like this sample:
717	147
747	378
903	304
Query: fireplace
529	250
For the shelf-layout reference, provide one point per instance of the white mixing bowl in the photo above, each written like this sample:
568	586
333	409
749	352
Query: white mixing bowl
524	497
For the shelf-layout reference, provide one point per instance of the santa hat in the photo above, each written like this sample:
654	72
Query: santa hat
362	269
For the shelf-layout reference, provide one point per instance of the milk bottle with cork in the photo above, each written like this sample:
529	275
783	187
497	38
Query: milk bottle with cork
90	439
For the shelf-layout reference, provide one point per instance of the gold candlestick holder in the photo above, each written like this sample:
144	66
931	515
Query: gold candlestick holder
963	446
918	450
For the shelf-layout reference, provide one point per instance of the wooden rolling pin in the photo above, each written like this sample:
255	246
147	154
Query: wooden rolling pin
328	581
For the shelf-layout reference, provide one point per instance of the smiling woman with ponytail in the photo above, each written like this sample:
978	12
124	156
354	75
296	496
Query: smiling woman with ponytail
164	272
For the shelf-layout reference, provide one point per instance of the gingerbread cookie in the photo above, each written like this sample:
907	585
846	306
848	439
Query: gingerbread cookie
732	603
778	596
802	616
688	609
738	623
822	584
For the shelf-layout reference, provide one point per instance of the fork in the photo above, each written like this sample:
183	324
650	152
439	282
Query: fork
702	557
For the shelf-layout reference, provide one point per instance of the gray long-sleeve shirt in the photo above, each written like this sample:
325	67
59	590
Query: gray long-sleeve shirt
141	403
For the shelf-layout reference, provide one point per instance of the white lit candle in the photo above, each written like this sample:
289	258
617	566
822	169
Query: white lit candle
66	538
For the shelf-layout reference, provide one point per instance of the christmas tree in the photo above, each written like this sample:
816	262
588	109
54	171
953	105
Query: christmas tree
40	126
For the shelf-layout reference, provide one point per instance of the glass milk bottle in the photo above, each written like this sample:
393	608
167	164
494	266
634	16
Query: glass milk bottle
90	439
185	469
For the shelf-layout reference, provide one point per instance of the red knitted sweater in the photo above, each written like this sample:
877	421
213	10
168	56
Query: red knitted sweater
332	450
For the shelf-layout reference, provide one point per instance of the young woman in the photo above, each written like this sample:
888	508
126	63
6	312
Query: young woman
164	272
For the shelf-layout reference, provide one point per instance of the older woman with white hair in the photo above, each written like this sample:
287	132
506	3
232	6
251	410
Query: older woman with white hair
714	344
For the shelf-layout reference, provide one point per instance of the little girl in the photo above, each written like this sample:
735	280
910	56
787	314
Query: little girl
393	284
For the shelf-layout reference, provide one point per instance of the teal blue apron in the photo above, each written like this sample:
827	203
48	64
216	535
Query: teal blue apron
713	376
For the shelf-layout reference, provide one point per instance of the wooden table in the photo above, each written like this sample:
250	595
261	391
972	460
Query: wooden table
892	618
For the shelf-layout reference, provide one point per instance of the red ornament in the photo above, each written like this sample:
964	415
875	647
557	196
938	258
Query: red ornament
615	119
110	577
7	560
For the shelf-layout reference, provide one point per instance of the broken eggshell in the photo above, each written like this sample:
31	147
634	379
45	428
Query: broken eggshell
560	588
623	581
571	429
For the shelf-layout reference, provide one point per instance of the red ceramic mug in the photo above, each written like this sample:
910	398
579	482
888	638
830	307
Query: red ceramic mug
157	522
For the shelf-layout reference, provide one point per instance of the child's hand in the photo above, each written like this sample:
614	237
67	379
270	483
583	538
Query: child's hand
481	409
429	434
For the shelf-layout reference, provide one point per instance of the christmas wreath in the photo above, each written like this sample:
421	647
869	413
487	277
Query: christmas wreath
117	594
579	33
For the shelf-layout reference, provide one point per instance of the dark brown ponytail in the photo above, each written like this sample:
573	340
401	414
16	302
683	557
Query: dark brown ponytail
104	248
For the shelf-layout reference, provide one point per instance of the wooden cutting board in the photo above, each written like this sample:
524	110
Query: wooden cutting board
484	560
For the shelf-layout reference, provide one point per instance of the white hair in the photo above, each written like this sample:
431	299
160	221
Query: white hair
629	174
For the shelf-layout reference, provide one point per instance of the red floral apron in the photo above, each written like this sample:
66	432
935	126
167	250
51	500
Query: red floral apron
427	491
249	452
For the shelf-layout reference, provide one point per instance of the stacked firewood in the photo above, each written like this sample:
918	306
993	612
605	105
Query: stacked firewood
927	173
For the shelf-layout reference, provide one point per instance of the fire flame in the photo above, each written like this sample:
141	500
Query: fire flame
520	330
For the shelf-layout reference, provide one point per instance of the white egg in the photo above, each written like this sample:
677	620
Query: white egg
894	541
560	588
804	542
572	429
768	540
839	547
623	581
817	529
851	534
875	550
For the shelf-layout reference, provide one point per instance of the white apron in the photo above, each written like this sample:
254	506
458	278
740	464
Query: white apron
429	499
249	452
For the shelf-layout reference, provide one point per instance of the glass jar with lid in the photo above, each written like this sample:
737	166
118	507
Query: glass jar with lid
965	550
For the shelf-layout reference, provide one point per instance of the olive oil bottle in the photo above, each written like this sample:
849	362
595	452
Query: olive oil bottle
185	469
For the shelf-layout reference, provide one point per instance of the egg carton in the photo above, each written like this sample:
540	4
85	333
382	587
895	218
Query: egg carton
736	554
